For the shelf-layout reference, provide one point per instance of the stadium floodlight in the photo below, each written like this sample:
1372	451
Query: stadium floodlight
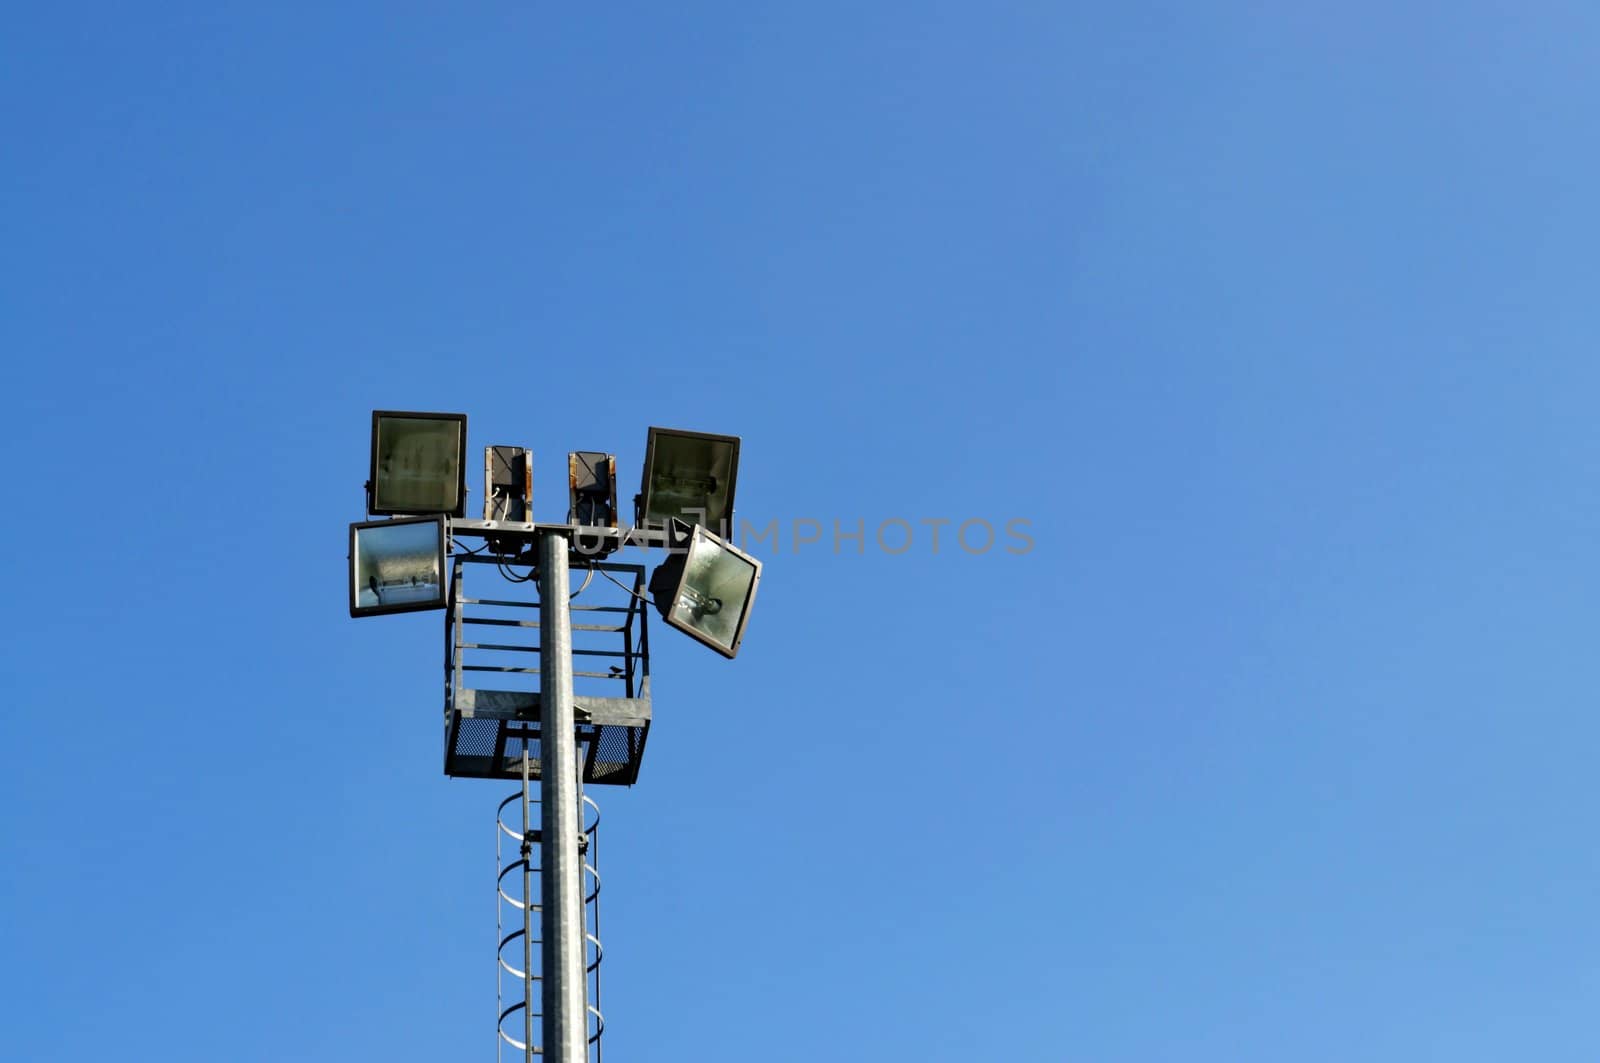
688	476
397	566
592	479
418	463
706	587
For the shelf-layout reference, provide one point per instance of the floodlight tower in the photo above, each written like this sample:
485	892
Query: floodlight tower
705	588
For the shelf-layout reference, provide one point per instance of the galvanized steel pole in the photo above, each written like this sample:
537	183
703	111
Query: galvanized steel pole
565	1028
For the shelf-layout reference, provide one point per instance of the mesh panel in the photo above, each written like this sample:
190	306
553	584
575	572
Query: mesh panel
613	755
617	751
476	738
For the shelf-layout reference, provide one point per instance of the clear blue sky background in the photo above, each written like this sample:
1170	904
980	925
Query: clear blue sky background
1276	321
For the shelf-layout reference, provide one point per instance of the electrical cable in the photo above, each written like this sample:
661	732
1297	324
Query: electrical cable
532	575
626	588
585	586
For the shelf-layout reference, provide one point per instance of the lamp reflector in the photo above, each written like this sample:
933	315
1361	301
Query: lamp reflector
707	590
418	463
688	476
397	566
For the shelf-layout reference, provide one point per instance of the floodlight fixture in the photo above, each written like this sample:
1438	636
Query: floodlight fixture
418	463
592	494
397	566
706	587
688	476
507	484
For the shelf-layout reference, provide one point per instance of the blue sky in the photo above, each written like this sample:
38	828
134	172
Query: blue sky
1274	322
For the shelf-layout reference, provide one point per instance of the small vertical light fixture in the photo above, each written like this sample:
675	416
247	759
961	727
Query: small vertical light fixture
508	484
592	482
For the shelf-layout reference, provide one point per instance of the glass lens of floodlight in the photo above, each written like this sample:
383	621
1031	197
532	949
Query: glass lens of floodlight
397	564
418	465
714	594
690	476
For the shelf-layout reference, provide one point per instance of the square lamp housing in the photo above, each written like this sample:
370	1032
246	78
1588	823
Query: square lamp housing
397	566
418	463
592	489
706	588
507	484
688	476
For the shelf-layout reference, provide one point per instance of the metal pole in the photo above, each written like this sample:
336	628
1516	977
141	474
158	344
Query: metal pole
560	865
